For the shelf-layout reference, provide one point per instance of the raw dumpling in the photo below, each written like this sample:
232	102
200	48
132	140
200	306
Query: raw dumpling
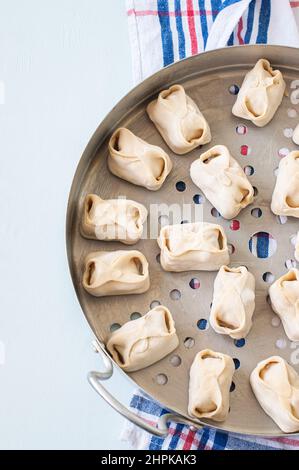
285	198
179	121
195	246
113	219
211	376
260	94
276	387
284	296
142	342
233	302
295	136
222	180
297	247
136	161
116	273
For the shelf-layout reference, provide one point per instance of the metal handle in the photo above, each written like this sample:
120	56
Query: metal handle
95	379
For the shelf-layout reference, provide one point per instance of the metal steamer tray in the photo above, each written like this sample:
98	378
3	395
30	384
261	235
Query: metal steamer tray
212	80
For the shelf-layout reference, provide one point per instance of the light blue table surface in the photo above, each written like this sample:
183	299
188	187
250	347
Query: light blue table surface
63	65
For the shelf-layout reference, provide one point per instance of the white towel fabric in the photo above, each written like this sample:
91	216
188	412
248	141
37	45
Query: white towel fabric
163	31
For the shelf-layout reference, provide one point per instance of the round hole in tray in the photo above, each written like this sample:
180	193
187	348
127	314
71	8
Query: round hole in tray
256	212
236	362
189	342
155	303
241	129
288	132
135	315
180	186
248	170
255	191
194	283
281	343
161	379
283	152
175	294
245	150
231	248
275	321
293	239
291	112
233	89
158	258
235	225
290	263
175	360
215	213
198	199
202	324
232	387
239	343
281	219
114	327
262	245
268	277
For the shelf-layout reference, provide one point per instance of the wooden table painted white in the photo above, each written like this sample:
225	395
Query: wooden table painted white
63	65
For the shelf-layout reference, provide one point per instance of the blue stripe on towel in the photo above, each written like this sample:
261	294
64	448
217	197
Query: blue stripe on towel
264	20
250	20
203	21
216	6
180	30
166	34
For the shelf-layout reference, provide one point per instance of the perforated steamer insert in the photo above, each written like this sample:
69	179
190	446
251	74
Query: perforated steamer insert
212	80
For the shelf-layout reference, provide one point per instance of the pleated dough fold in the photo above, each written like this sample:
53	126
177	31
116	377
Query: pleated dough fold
222	180
260	94
116	273
142	342
285	198
233	302
276	387
137	161
284	296
194	246
179	121
211	376
112	219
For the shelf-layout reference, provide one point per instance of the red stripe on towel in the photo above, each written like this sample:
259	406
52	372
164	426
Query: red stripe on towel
240	29
191	24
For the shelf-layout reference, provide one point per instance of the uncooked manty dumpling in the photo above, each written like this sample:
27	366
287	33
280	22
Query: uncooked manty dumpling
284	296
276	387
295	136
260	94
116	273
195	246
136	161
179	121
285	198
142	342
210	379
233	302
222	180
112	219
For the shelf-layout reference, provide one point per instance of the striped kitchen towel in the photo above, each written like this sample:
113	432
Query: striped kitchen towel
164	31
181	437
